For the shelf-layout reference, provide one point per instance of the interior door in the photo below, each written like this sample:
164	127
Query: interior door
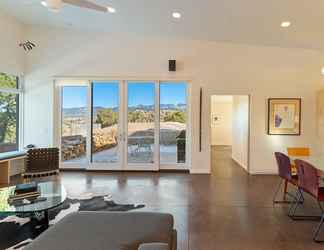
142	125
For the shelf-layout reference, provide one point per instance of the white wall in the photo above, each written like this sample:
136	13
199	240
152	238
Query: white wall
221	130
240	146
12	58
219	68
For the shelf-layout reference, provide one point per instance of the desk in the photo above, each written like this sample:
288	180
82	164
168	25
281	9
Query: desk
5	162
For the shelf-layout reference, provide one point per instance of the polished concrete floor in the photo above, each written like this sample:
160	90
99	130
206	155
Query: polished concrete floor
227	210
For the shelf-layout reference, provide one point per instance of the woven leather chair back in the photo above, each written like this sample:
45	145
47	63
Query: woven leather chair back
42	160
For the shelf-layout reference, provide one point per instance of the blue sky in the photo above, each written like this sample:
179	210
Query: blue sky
74	97
106	95
174	93
140	93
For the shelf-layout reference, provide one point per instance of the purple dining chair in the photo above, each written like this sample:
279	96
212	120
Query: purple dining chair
308	182
284	171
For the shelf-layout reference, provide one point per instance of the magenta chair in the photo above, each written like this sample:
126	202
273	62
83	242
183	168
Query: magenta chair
308	182
284	171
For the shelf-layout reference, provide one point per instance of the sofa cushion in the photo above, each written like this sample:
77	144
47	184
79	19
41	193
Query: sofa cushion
106	231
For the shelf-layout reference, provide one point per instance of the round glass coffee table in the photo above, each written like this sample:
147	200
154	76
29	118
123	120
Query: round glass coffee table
52	194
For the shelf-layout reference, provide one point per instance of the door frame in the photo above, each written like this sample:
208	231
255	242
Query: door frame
248	134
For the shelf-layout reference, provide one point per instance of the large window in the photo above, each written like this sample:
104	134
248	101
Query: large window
9	113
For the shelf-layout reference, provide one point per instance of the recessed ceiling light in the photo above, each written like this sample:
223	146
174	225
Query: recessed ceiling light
285	24
111	9
44	3
176	15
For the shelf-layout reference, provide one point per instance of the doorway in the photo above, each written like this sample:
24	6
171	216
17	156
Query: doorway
230	131
123	124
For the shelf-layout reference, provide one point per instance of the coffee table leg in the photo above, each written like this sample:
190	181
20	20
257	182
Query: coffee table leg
41	219
46	219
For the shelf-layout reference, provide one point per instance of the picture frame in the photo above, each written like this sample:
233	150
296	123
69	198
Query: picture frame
284	116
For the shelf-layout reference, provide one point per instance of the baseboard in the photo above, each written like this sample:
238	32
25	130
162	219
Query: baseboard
199	171
185	171
264	172
72	169
256	172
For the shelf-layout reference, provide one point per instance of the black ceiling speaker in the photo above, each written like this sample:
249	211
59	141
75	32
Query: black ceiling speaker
172	65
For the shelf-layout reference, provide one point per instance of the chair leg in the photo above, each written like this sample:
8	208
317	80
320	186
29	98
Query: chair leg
317	231
285	194
285	190
293	209
320	206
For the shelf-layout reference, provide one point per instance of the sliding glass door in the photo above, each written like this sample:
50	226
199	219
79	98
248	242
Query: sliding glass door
74	122
105	131
124	125
173	123
141	125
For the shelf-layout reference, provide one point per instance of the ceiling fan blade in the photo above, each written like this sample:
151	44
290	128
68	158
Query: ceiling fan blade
86	4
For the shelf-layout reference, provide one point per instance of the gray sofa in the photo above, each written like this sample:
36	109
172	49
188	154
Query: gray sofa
109	231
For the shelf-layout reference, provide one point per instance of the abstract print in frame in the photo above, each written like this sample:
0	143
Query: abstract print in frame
284	116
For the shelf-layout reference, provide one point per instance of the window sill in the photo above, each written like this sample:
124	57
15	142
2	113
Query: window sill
12	154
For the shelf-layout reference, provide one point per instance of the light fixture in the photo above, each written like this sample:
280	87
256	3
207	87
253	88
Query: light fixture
111	9
176	15
285	24
322	70
52	5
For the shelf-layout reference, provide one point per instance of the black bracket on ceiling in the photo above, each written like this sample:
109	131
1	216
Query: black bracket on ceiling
27	46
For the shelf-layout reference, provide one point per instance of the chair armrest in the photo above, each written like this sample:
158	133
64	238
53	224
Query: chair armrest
154	246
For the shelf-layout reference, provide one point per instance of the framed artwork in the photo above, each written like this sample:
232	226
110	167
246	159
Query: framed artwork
284	116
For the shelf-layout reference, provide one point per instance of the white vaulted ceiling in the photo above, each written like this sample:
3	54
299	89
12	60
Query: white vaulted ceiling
237	21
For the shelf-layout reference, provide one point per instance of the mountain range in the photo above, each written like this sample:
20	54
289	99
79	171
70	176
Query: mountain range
82	111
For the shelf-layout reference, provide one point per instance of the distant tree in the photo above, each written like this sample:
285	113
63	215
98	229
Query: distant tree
7	81
8	110
175	116
107	117
140	116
